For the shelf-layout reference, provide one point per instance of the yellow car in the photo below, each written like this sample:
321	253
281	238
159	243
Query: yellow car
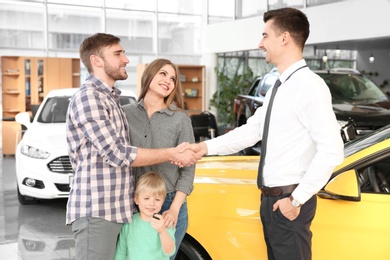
353	209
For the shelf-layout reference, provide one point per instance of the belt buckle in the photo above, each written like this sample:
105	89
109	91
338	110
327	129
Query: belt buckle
276	191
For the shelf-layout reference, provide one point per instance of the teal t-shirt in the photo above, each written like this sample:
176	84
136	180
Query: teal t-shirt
139	241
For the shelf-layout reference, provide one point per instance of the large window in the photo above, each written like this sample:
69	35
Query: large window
144	5
321	2
275	4
22	25
97	3
172	27
136	29
235	62
249	8
220	11
180	6
179	34
64	30
147	28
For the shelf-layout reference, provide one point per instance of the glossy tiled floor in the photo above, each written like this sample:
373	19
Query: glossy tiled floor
32	231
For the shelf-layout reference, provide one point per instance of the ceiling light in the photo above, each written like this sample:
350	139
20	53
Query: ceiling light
371	59
337	52
325	57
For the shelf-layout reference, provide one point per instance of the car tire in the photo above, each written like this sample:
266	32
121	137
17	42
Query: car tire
25	200
190	249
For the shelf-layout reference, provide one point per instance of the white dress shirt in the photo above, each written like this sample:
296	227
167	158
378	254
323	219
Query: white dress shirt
304	141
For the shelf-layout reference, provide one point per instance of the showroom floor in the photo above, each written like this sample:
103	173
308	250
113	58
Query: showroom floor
32	231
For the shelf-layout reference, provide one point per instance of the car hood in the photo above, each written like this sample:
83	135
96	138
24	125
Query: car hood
362	111
46	136
239	170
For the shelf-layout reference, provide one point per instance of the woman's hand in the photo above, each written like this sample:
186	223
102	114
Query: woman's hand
171	216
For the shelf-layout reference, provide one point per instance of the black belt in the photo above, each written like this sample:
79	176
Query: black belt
277	191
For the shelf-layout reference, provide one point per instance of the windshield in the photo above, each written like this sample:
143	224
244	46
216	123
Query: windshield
353	87
55	108
367	140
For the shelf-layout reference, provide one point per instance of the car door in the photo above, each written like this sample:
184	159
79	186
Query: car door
356	227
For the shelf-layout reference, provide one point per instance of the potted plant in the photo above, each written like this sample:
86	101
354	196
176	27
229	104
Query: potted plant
228	88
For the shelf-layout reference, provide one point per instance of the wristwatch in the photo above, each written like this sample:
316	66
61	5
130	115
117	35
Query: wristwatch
295	202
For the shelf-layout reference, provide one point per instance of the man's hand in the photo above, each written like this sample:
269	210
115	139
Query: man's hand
199	148
183	156
178	155
287	209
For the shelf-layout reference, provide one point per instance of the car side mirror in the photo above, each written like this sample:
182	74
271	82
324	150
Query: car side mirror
23	118
344	186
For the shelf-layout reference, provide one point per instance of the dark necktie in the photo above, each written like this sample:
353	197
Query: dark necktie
265	134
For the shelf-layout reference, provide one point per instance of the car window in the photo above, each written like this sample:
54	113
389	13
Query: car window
353	87
255	86
55	108
376	177
367	140
268	82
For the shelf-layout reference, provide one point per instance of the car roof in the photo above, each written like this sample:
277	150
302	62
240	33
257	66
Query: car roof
338	71
71	91
329	71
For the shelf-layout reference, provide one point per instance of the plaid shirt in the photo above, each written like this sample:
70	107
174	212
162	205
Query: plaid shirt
101	155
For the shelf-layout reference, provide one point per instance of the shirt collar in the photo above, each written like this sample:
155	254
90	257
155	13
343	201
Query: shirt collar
164	110
292	69
116	91
104	87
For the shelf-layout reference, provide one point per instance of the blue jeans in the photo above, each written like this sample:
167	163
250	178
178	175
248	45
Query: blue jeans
182	222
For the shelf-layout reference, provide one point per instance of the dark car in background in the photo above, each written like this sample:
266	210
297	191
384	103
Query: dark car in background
359	104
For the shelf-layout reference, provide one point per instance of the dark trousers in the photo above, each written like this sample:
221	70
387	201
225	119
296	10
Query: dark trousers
286	239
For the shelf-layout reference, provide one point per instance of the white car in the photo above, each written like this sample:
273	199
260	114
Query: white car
43	169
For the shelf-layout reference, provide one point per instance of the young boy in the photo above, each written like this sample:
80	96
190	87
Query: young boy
146	237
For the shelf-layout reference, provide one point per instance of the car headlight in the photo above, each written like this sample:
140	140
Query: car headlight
34	152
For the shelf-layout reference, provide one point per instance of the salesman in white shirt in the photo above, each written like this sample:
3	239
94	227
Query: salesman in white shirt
304	144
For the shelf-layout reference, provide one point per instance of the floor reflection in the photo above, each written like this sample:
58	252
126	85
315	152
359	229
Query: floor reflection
31	232
42	232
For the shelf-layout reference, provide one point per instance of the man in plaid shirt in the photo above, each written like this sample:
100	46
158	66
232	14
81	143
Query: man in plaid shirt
101	197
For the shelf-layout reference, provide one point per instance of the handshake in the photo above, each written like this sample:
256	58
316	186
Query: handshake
186	154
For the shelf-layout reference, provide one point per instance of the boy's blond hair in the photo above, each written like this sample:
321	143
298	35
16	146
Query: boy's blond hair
152	182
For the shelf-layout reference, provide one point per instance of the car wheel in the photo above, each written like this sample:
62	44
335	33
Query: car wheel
26	200
190	249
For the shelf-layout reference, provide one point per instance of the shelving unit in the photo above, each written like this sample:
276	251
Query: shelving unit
12	78
33	80
193	78
61	73
76	73
13	100
25	82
